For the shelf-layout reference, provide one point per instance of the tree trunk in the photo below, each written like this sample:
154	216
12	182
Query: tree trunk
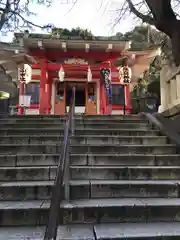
166	21
162	14
175	41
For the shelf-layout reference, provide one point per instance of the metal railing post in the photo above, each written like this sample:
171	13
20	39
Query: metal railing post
67	177
73	112
124	107
62	176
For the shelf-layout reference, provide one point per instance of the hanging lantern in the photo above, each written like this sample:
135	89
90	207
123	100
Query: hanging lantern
89	75
28	73
21	74
125	74
61	74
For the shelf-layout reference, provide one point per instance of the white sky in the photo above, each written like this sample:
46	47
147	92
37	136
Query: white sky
95	15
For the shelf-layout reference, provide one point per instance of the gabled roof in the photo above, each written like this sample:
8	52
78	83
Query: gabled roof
64	42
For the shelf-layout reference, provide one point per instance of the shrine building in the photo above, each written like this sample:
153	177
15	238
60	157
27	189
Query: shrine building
101	86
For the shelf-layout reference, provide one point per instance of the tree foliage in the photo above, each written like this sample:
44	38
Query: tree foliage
142	37
74	32
15	14
149	85
163	14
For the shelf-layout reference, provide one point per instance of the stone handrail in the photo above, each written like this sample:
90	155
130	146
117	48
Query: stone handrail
173	73
170	90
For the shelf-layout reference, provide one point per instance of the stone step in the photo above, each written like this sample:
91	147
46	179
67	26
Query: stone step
64	232
41	190
77	116
124	173
79	131
46	173
94	125
111	210
86	139
88	148
107	231
121	210
91	159
27	173
132	189
77	120
138	231
127	159
124	149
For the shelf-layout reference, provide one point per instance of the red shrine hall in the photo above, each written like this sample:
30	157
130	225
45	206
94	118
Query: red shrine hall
89	66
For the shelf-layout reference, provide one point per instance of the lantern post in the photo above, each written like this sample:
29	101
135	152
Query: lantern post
22	86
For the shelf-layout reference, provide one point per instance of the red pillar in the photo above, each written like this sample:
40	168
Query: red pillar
21	89
43	81
128	100
103	100
49	90
109	107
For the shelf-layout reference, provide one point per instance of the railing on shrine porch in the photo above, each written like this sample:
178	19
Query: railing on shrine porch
62	180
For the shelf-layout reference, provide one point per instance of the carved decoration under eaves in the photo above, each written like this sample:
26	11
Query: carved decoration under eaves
75	61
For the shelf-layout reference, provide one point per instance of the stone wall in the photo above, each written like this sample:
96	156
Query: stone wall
170	90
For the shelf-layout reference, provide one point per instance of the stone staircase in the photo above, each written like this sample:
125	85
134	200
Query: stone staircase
125	179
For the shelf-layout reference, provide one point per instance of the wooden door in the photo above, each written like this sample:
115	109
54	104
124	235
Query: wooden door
91	99
60	99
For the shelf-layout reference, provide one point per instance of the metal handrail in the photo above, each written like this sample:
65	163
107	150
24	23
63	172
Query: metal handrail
62	169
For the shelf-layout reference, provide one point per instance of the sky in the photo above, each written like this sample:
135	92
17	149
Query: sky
95	15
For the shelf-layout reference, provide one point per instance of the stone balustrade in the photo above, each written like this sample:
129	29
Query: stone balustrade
170	89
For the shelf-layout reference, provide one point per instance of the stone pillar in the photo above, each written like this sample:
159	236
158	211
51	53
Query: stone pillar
178	87
164	86
172	92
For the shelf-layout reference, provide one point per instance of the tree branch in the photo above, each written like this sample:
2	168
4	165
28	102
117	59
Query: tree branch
27	21
14	14
164	16
161	9
144	18
4	15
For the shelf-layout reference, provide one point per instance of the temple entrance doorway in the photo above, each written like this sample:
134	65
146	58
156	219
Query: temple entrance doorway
85	97
80	96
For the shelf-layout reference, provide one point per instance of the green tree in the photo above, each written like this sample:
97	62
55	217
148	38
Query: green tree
150	83
74	32
138	37
163	14
143	37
